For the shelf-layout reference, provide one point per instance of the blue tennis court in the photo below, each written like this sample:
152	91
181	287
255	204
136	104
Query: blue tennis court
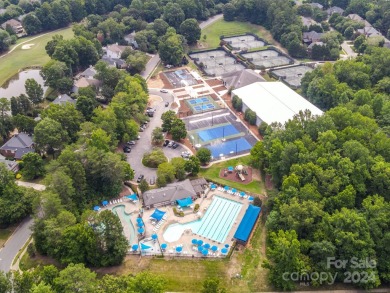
217	132
229	147
199	100
204	107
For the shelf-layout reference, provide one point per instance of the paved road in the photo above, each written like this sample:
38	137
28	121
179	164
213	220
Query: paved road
144	143
209	21
347	48
14	244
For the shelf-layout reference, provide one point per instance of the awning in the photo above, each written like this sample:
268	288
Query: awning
132	197
247	223
185	202
145	247
157	214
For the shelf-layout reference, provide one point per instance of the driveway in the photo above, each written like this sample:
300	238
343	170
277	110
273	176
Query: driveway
209	21
150	66
144	144
347	48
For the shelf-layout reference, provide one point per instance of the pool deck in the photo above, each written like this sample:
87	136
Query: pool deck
187	236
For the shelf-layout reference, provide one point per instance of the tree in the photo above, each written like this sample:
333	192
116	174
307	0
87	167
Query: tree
34	91
171	47
100	140
41	288
204	155
32	166
146	282
49	135
237	103
161	182
179	164
31	24
212	285
250	116
229	12
24	123
76	278
5	40
5	283
57	75
157	136
178	129
86	105
143	185
348	33
168	119
173	14
154	158
359	43
167	171
160	26
190	30
192	165
136	62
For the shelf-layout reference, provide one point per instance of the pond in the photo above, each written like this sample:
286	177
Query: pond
15	86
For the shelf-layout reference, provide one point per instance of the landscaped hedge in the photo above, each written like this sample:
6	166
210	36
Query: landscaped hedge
154	158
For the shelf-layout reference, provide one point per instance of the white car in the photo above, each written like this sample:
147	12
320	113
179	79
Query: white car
164	91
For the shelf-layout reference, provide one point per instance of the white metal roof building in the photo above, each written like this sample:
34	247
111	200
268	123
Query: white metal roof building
273	102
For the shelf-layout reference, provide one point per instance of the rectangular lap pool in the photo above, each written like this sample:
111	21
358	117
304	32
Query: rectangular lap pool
229	147
217	132
215	225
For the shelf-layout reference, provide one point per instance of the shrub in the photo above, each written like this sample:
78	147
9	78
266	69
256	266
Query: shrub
196	208
237	103
257	201
154	158
250	116
31	250
18	176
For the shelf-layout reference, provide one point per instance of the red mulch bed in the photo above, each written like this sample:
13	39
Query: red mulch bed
268	182
232	176
202	92
220	88
165	80
198	86
215	97
214	82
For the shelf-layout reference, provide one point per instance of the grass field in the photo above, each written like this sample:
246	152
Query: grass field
221	27
36	56
212	173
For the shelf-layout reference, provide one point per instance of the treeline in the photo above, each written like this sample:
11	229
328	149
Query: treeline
362	85
333	175
77	278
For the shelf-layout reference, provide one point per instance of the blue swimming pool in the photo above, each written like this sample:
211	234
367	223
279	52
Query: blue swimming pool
217	132
120	211
229	147
215	224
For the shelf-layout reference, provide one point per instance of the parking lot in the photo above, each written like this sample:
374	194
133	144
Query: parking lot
244	42
216	62
144	143
291	75
267	58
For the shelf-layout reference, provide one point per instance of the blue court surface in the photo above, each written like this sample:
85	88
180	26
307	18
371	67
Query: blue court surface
199	100
217	132
204	107
229	147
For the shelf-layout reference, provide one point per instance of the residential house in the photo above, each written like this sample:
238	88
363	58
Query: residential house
358	18
130	39
311	37
369	31
15	25
114	62
17	146
238	79
307	21
317	5
335	9
86	82
171	193
10	165
88	73
63	100
310	47
115	50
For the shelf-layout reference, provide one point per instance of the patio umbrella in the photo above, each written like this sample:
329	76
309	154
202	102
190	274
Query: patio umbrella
194	241
140	230
226	187
164	246
214	248
250	198
234	190
140	224
227	245
207	246
105	202
205	251
154	236
96	208
200	248
230	168
139	220
242	193
134	247
200	242
179	249
224	250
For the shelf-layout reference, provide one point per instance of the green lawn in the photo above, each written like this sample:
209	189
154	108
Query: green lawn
221	27
212	173
36	56
5	233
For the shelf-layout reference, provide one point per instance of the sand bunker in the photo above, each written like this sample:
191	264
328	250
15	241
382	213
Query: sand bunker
27	46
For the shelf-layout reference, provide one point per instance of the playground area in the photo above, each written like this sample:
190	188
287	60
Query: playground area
202	104
220	132
180	78
291	75
216	62
241	174
268	58
244	42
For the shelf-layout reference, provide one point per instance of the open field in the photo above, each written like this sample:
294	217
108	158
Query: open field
212	173
36	56
221	27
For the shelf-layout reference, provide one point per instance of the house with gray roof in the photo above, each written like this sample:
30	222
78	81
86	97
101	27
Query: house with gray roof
311	37
316	5
238	79
169	194
10	165
15	25
63	100
335	9
89	73
17	146
308	21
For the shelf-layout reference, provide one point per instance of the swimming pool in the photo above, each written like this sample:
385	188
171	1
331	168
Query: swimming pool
215	225
120	211
217	132
229	147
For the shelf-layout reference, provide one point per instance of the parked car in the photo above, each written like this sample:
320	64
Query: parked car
130	143
185	154
126	149
175	145
170	144
141	129
166	104
138	137
140	177
164	91
166	142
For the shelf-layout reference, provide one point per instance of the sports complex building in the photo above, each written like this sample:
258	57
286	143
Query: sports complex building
273	102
